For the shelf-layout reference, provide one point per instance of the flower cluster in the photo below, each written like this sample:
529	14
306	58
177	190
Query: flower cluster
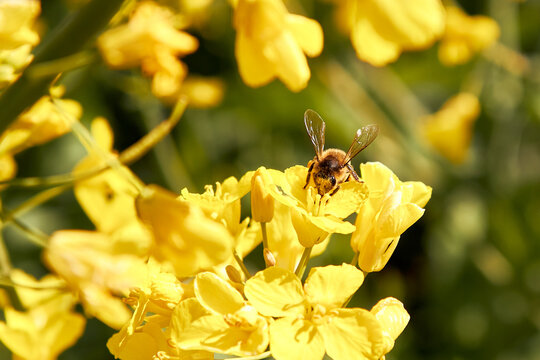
177	263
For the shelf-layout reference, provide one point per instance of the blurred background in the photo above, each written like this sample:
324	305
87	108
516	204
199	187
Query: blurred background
468	272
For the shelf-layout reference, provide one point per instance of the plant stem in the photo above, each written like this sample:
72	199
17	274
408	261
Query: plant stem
301	268
264	235
68	38
241	264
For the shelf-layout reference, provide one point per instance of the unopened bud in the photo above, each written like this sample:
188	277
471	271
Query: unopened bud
269	258
262	203
233	274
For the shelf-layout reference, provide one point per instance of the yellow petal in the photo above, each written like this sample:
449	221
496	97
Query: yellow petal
399	219
184	236
183	334
293	339
137	346
290	62
393	318
276	292
307	33
366	343
347	200
369	45
254	68
449	130
332	285
307	229
216	294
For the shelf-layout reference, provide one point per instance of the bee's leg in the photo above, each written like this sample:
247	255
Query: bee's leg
310	164
335	190
353	173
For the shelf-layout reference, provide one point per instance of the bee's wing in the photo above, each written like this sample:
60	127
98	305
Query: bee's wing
364	136
315	127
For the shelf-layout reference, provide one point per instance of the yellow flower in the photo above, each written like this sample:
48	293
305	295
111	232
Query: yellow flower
383	29
150	40
92	267
42	332
449	130
218	320
153	301
17	37
222	204
41	123
8	167
203	92
33	293
465	35
109	198
271	43
392	207
311	320
17	21
393	318
315	217
184	236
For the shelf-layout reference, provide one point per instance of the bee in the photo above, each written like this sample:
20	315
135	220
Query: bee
329	168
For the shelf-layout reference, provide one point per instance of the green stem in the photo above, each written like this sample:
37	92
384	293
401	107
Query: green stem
354	260
301	268
126	157
264	235
68	38
5	269
241	264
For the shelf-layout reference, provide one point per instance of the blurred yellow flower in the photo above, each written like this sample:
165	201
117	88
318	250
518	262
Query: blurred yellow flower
271	43
8	167
41	123
96	271
465	35
17	37
34	292
393	318
203	92
391	208
108	198
313	216
311	320
150	40
43	332
218	320
383	29
184	236
450	129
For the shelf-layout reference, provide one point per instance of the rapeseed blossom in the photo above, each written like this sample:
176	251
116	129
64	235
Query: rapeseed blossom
166	269
17	37
310	319
449	131
382	29
272	43
42	332
151	41
391	208
465	36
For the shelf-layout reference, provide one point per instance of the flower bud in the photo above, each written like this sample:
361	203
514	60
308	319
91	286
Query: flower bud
269	258
262	203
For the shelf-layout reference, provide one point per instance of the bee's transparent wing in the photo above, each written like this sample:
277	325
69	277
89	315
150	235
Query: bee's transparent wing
315	127
364	136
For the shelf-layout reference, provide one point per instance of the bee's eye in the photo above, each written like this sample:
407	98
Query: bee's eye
333	180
